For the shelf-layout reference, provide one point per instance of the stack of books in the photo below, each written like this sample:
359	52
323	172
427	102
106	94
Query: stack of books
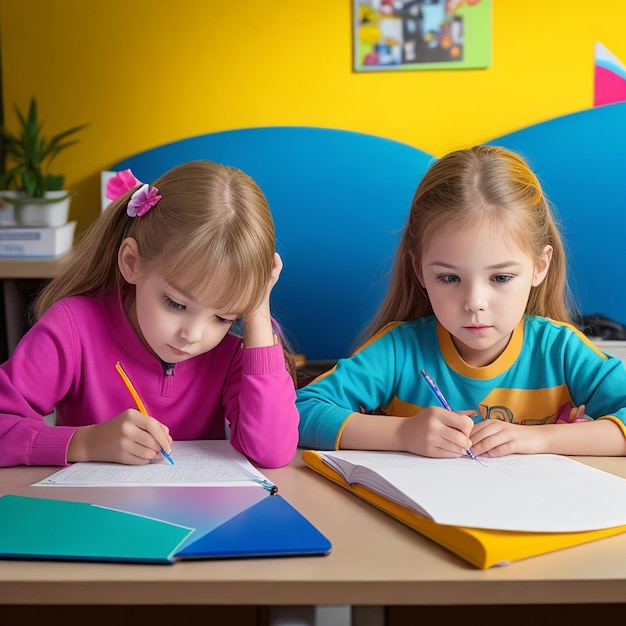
19	240
36	242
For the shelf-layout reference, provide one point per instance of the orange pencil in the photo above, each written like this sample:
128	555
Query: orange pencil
140	405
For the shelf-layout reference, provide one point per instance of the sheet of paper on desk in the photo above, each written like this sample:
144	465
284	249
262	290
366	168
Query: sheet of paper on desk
197	463
522	493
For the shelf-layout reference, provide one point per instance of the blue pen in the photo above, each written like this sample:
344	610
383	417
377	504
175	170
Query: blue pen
167	456
444	403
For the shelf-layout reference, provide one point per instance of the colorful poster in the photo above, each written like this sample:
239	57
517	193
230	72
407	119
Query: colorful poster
609	77
421	34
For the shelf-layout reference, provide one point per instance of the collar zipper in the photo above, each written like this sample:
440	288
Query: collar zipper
167	388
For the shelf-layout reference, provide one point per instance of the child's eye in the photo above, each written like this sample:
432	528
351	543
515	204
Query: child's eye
449	278
173	305
502	278
223	320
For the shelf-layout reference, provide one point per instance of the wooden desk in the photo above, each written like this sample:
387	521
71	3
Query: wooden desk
20	280
375	560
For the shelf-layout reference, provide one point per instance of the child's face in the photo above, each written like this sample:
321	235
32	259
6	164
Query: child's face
173	325
478	281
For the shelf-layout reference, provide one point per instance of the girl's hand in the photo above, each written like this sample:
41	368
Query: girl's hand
588	437
257	325
130	438
437	432
497	438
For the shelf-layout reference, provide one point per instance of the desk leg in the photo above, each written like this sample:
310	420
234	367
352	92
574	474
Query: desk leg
368	616
327	616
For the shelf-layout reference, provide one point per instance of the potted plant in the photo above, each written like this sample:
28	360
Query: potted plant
38	197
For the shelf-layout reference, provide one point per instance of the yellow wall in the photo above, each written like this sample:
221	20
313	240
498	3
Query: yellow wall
146	72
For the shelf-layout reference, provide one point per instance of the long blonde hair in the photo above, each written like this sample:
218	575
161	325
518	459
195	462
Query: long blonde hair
211	218
460	189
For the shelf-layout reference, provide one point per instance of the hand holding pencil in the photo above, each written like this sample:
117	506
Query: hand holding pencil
452	422
139	402
131	438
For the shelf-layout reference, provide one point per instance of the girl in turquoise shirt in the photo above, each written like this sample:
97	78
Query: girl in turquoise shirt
478	298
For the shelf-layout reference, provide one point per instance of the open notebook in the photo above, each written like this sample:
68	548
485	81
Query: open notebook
508	509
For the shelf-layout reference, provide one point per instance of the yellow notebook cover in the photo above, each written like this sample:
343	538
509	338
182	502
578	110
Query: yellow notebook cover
482	548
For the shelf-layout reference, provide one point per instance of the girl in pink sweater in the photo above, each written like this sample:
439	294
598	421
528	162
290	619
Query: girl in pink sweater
156	284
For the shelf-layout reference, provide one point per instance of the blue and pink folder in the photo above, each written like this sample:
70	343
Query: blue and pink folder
155	525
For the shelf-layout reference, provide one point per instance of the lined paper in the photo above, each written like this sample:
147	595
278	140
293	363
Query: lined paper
197	463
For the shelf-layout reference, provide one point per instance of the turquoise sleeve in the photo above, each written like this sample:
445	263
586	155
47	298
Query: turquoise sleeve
360	383
598	381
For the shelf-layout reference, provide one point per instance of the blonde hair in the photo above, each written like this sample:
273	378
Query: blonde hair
212	220
483	183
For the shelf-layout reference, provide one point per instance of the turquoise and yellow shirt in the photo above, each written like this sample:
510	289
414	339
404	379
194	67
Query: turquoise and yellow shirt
547	367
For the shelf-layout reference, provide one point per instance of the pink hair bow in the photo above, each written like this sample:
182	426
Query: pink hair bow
120	183
143	200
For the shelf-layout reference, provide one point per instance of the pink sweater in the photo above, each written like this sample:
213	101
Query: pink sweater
66	362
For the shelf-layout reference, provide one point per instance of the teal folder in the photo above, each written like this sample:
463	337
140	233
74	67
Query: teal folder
42	528
157	525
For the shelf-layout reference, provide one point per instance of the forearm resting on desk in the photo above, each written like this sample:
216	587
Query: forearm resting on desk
601	437
450	434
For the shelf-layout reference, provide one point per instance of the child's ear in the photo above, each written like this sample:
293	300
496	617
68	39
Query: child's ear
417	269
128	260
542	265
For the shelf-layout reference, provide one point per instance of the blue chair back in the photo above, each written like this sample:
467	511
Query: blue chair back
580	159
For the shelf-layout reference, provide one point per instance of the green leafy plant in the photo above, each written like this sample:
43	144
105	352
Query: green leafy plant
29	155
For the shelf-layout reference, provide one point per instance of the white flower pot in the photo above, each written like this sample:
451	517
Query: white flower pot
51	210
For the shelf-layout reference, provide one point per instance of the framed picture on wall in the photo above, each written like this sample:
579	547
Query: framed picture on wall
421	34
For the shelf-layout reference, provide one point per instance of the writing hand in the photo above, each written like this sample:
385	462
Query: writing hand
437	432
130	438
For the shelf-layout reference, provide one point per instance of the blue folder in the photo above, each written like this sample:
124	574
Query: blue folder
155	525
271	527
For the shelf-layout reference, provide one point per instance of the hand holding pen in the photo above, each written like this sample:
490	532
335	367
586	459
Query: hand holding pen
138	401
444	403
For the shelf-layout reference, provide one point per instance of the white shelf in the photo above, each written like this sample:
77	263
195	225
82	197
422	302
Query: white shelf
611	346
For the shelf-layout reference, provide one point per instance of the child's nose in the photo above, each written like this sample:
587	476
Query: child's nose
476	300
192	332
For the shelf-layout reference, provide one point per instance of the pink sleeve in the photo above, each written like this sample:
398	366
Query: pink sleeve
37	374
262	411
